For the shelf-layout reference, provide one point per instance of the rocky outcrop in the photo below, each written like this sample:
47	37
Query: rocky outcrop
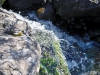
18	56
63	8
77	8
19	53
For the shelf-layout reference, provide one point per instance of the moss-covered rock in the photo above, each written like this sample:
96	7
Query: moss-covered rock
1	2
53	61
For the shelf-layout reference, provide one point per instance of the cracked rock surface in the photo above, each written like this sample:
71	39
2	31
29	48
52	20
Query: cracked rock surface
19	55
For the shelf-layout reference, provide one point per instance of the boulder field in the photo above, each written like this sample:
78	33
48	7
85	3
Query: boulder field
63	8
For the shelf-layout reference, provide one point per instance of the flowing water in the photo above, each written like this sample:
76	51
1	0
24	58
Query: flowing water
80	53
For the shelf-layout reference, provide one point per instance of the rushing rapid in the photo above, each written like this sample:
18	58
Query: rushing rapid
80	53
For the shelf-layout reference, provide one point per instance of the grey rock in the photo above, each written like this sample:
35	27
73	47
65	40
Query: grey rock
19	55
12	25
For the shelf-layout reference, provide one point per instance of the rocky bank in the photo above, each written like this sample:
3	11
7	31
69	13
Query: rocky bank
18	42
75	16
20	53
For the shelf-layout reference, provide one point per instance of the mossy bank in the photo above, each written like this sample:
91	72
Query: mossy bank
53	61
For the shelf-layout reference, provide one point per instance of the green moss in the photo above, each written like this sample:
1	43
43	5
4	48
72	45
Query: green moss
54	65
19	34
48	66
62	62
43	70
52	61
1	2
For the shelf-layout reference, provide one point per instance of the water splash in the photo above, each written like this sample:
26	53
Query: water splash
74	48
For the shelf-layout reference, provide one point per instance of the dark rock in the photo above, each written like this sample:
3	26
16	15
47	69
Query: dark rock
77	8
47	12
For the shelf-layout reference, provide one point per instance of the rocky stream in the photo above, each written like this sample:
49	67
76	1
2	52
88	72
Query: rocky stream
43	38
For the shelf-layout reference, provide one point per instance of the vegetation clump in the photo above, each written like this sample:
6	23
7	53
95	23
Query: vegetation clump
53	61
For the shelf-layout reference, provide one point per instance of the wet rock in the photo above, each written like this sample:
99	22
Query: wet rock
19	55
47	12
77	8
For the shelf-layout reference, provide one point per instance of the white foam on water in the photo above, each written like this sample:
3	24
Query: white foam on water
72	64
47	26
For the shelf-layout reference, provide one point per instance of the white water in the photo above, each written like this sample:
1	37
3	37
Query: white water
75	62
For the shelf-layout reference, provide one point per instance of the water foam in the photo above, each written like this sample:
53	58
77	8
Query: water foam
47	26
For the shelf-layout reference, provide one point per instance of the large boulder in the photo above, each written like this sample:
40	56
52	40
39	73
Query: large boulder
77	8
18	56
19	53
